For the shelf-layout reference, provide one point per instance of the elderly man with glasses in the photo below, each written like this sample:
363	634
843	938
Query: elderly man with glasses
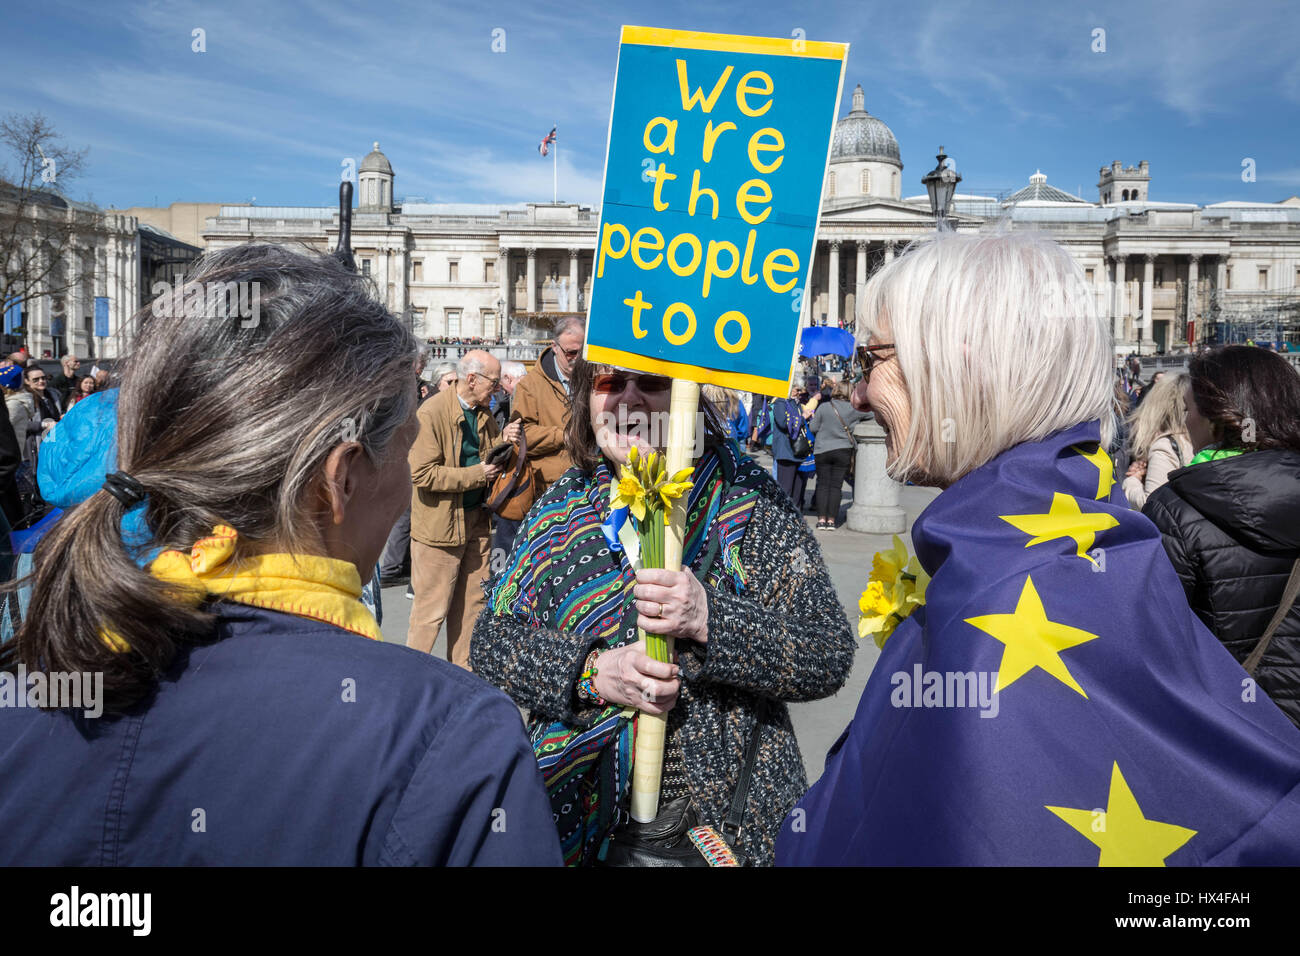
450	528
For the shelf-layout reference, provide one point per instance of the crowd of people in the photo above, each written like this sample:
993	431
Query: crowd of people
33	403
219	557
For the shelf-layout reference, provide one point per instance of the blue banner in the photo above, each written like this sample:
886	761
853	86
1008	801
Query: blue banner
13	313
825	340
56	325
101	316
717	152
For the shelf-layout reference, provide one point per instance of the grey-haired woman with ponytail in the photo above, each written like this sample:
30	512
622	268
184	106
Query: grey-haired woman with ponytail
234	701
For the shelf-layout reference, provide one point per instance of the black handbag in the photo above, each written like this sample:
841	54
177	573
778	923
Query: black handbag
676	838
800	446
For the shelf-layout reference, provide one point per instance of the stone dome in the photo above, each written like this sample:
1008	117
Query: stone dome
861	136
376	162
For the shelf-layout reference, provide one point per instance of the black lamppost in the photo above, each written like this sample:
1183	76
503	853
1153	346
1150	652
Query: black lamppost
941	183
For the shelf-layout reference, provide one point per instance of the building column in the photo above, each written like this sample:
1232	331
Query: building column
1193	299
833	308
889	250
503	280
573	280
400	287
1116	265
1148	282
1101	288
1221	274
102	347
859	279
1121	298
532	279
72	302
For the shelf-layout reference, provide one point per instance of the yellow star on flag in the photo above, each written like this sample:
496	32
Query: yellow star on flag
1124	835
1031	640
1105	469
1063	520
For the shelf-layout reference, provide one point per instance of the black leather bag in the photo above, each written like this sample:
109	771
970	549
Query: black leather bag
666	840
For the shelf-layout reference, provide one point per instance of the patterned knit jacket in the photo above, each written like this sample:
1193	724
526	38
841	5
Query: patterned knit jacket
786	638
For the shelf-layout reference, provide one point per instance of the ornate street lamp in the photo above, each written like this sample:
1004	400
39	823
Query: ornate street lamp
503	321
941	183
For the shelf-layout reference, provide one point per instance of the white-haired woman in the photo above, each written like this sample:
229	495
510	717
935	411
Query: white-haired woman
1158	439
1050	607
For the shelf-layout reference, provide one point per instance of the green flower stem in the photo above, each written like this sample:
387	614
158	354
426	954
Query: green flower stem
652	556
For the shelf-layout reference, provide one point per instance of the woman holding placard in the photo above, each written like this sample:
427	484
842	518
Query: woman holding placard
754	612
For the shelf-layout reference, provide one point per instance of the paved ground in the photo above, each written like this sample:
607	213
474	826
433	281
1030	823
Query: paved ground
848	554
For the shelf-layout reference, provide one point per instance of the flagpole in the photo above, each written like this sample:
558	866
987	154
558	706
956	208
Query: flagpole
555	162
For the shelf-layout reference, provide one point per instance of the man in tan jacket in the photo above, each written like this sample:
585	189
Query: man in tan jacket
450	528
542	399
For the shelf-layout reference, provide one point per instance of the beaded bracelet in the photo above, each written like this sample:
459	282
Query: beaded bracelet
587	682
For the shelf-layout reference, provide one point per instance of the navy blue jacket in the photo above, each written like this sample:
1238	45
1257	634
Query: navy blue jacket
249	754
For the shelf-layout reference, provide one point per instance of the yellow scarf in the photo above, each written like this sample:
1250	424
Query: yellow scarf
322	589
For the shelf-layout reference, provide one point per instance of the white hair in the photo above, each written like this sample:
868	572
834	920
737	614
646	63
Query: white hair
514	370
999	342
470	363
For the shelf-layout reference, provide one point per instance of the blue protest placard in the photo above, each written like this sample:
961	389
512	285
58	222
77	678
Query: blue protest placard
101	316
718	148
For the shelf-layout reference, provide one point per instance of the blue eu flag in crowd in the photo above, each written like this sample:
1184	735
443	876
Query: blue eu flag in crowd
1056	701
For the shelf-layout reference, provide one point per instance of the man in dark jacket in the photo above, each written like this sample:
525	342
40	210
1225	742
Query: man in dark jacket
65	383
542	400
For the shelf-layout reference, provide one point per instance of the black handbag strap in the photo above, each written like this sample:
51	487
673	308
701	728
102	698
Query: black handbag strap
848	434
1288	599
731	826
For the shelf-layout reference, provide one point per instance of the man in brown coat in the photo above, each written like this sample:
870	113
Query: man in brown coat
450	528
542	399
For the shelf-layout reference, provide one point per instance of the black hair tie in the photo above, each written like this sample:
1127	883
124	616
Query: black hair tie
124	488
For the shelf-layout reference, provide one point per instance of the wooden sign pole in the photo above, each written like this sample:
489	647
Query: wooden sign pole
648	760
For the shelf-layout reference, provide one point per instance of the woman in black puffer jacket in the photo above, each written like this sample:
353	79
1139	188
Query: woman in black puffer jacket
1231	519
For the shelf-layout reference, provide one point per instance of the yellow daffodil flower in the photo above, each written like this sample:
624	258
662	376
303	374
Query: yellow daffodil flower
670	491
895	588
631	495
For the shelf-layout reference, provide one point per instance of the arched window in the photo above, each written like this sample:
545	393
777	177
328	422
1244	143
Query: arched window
830	184
866	182
1124	195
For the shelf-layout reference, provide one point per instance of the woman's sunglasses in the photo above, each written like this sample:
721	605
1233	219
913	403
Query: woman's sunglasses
612	383
868	358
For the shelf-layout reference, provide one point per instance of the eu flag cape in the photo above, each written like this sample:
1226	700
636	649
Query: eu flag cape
1121	731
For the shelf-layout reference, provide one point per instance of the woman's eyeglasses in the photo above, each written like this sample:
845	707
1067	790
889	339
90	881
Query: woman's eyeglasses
612	383
868	358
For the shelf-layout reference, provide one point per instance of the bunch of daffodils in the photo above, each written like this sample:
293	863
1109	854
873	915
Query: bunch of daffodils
895	589
648	492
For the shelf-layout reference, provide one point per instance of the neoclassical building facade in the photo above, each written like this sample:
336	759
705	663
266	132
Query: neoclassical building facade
1166	274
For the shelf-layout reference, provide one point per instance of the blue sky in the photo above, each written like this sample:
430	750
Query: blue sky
285	91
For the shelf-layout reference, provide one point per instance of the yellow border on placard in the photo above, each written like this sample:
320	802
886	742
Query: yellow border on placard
696	373
732	43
